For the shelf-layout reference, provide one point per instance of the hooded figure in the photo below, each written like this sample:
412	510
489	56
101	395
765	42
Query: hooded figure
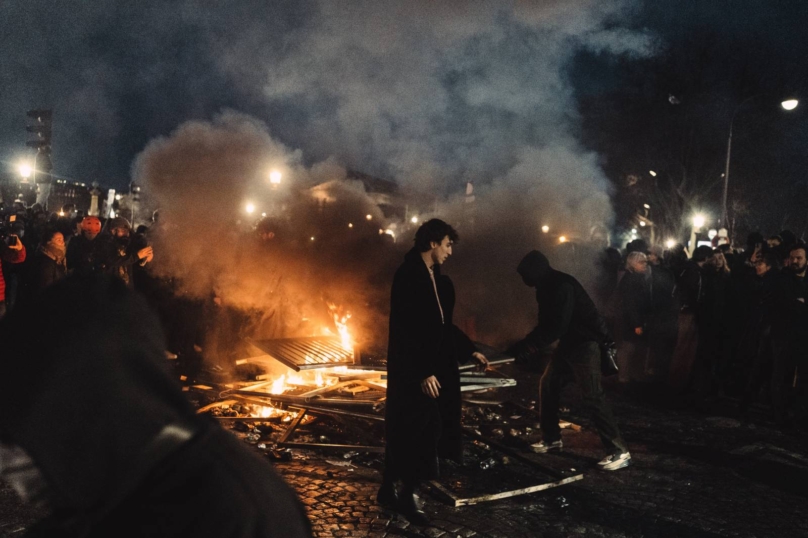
570	323
96	430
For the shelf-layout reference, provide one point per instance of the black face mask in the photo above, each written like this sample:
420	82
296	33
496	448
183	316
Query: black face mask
122	241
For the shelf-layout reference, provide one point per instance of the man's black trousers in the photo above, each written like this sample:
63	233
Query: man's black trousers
581	363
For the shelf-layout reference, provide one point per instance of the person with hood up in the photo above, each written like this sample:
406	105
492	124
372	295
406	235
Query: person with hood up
570	324
125	252
96	432
422	413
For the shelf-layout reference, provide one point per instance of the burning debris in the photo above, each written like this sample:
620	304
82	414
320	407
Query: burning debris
325	399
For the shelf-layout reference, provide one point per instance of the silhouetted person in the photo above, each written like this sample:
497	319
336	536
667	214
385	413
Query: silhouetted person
569	320
94	429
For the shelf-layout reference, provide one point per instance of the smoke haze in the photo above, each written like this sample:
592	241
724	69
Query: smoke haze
429	94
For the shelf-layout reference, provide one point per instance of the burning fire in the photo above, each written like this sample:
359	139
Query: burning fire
299	379
341	322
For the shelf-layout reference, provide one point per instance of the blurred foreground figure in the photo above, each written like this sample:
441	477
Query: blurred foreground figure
569	323
95	429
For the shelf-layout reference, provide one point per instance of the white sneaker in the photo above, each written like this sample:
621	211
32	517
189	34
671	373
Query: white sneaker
613	462
543	448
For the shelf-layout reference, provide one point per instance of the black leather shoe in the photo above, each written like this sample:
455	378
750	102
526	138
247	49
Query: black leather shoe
409	509
387	496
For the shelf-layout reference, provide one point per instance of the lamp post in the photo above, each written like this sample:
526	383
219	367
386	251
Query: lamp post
788	104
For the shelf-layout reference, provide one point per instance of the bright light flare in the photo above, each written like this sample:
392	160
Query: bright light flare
249	208
369	216
652	173
562	239
25	170
350	225
414	220
545	229
275	177
642	223
790	104
646	206
670	243
699	220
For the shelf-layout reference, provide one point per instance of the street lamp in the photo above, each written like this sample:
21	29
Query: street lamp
275	177
545	229
250	208
25	170
789	104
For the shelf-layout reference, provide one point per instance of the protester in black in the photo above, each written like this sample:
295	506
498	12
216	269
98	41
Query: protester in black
422	415
569	320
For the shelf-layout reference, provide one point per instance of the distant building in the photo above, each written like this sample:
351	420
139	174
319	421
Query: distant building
384	193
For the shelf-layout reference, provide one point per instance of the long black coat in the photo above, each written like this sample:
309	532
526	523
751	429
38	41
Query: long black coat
419	428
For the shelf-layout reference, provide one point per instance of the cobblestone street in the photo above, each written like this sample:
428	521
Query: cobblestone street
692	475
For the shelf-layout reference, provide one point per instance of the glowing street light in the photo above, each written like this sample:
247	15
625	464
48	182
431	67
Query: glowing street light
369	216
414	220
250	208
350	225
263	214
25	171
275	177
789	104
545	229
698	221
562	239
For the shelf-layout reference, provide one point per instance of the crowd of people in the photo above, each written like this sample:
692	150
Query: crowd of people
39	248
722	322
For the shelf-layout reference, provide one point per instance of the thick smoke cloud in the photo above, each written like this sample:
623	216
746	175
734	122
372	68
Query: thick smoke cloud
291	270
430	94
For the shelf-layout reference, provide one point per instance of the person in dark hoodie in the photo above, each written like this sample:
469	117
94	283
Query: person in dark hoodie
422	413
96	431
569	322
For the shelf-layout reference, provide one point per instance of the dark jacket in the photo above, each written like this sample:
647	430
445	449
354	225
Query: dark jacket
419	428
42	271
635	299
790	314
119	447
663	318
85	256
566	312
122	258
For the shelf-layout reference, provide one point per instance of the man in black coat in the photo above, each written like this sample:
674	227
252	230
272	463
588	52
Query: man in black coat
422	416
96	430
568	321
789	326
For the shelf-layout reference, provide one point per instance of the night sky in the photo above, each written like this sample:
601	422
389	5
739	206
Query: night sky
429	94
